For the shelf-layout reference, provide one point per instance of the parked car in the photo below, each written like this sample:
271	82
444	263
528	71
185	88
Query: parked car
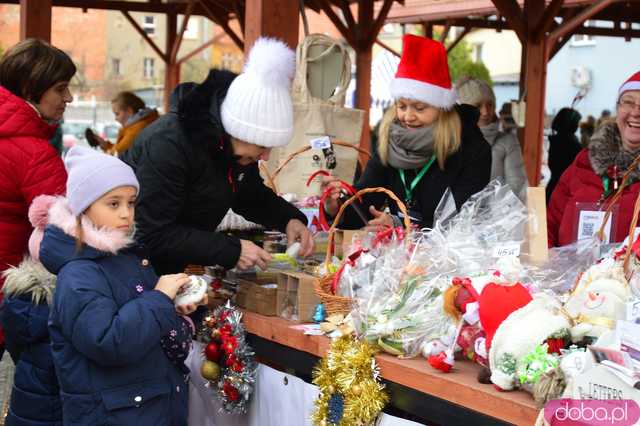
73	130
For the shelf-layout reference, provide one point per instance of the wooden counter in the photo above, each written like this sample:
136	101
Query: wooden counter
459	387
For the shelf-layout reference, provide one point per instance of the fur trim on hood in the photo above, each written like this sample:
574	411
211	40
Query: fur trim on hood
30	277
103	239
605	150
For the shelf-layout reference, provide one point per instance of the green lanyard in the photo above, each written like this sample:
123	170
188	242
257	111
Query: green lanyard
409	191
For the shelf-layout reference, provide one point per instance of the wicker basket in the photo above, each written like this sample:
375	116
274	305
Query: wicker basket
271	179
333	303
634	221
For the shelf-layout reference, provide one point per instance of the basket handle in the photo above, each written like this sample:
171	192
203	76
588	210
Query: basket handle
357	195
632	231
272	178
616	197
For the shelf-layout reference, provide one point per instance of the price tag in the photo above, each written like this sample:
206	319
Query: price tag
323	142
504	250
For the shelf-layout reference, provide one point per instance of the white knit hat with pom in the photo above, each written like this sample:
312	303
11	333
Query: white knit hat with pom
258	107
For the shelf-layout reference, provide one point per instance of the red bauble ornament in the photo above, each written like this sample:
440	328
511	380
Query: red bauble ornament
237	367
440	362
212	352
230	392
554	345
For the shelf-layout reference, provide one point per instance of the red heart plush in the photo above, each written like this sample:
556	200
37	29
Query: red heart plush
497	302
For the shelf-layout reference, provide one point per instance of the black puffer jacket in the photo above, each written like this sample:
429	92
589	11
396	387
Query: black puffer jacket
466	172
189	181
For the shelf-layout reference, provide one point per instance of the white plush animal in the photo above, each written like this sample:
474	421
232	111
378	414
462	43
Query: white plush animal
596	304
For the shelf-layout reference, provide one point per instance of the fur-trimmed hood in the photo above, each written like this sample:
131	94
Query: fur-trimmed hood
59	246
30	277
605	150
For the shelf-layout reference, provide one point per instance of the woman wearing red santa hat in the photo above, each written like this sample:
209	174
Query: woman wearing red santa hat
596	174
427	143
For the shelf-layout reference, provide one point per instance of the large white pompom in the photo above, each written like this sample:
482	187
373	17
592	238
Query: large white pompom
272	60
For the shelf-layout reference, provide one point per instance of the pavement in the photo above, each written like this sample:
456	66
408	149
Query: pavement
6	381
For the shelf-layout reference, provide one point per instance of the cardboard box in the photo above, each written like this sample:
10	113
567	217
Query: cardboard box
343	240
296	297
260	297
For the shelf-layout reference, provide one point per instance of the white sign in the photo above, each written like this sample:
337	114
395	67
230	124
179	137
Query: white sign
512	249
590	223
320	143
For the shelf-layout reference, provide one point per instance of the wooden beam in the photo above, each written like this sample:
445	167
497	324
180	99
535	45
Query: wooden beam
145	36
364	56
35	19
347	33
466	31
272	18
348	15
240	13
172	69
548	18
558	45
183	27
427	27
379	21
511	11
387	47
194	52
224	24
445	32
579	19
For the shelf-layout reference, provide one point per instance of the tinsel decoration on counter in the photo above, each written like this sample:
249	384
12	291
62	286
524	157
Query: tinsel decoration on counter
229	364
350	390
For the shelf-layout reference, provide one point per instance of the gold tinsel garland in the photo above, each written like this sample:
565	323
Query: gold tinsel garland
349	374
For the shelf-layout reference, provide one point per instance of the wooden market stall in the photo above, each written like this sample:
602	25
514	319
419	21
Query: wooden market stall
415	387
543	27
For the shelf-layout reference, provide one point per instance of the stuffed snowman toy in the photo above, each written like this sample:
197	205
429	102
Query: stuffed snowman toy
596	304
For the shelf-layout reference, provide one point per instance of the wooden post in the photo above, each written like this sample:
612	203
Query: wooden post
275	18
172	68
536	82
35	19
364	56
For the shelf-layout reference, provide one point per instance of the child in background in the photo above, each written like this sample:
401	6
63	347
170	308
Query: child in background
118	343
28	292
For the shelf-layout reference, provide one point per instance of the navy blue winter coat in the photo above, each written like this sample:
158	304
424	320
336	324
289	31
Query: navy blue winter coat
106	325
35	396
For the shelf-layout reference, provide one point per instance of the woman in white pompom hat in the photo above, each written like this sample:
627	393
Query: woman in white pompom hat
201	159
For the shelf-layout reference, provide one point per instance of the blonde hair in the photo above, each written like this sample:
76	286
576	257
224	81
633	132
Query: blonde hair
447	135
79	234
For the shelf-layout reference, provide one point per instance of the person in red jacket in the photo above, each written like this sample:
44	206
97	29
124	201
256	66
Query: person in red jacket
34	91
597	172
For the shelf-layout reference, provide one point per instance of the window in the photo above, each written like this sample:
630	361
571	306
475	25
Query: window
583	39
149	68
116	66
477	52
149	24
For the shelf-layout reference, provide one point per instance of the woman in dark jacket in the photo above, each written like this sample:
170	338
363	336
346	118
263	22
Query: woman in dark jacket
564	145
28	291
201	159
426	143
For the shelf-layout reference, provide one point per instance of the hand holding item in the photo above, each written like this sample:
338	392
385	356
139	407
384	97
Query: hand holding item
170	284
190	295
379	222
331	203
252	255
298	232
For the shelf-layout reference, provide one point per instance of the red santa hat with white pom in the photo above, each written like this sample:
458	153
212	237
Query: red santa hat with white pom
423	73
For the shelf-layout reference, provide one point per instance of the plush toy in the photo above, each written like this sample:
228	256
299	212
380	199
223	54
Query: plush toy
598	300
540	321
